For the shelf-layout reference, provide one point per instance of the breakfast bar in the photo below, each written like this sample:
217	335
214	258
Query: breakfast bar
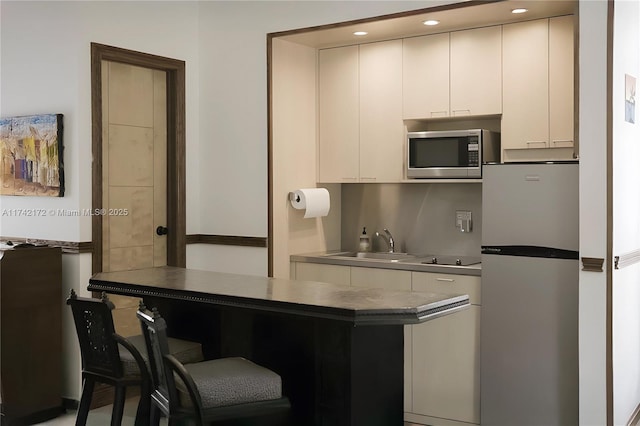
338	349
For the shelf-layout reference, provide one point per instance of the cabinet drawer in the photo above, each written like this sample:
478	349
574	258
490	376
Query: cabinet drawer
447	284
335	274
388	279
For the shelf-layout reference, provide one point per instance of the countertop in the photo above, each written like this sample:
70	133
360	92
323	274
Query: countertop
331	258
361	306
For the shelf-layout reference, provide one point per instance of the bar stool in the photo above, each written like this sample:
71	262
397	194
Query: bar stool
112	359
211	391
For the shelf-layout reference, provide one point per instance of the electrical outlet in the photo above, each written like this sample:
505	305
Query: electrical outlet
463	220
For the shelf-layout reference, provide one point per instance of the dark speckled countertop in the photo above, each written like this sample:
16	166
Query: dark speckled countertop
362	306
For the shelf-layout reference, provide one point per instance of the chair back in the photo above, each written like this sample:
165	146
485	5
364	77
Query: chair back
154	330
95	329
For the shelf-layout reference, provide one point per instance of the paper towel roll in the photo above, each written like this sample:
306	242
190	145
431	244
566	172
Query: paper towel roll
315	201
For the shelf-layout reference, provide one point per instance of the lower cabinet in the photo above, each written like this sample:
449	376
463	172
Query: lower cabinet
336	274
442	356
445	364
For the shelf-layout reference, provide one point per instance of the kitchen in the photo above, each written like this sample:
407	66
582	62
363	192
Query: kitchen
232	97
379	90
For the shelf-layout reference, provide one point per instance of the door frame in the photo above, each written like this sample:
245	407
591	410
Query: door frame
176	150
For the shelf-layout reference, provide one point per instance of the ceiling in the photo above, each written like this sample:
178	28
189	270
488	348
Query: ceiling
458	16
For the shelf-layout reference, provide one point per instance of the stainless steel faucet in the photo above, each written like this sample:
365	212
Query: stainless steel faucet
388	238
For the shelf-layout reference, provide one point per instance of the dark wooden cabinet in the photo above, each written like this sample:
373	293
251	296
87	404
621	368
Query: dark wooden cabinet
31	303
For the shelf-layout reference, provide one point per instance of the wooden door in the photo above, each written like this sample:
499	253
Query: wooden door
134	176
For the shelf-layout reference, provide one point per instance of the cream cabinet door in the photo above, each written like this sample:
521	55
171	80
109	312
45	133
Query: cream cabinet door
425	76
476	72
561	89
381	125
389	279
446	367
525	76
336	274
339	114
445	353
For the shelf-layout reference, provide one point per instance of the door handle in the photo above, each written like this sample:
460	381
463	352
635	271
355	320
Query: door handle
162	230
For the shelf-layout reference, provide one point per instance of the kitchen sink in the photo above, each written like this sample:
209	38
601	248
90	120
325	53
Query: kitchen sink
428	259
393	257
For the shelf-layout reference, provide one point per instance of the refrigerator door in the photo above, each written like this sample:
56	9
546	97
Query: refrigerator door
530	205
529	341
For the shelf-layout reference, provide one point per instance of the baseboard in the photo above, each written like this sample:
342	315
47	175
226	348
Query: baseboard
70	404
32	418
635	417
419	419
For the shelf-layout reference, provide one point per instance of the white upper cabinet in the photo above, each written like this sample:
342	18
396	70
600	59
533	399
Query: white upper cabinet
339	112
561	87
425	74
538	90
453	74
525	120
381	126
361	133
476	72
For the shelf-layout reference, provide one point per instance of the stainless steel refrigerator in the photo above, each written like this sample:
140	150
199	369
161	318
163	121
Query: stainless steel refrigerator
529	314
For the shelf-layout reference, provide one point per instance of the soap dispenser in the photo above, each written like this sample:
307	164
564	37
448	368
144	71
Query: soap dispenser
365	241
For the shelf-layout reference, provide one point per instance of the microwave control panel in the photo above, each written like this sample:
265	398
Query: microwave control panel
473	148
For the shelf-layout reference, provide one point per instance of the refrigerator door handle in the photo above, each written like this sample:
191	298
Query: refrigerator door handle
531	251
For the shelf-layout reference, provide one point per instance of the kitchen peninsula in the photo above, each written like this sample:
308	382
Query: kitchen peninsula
338	349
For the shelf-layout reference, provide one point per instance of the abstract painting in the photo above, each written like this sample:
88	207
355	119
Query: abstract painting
31	156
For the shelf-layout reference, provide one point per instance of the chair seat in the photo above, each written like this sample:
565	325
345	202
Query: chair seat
185	351
231	381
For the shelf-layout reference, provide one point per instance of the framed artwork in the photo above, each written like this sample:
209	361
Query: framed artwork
31	156
629	98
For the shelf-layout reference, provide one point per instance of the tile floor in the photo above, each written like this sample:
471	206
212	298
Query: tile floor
102	416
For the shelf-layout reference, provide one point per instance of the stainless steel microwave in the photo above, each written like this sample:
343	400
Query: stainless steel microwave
451	153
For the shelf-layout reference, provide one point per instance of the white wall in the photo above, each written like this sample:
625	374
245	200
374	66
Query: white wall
593	214
626	210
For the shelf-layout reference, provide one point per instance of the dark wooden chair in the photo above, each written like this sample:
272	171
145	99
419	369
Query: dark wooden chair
112	359
216	391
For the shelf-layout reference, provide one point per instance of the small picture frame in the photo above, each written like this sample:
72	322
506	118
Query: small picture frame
629	98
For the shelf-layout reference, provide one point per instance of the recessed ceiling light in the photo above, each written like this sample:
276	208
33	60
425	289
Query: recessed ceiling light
519	10
360	33
431	22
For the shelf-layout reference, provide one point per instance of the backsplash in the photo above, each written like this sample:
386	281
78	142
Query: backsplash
421	217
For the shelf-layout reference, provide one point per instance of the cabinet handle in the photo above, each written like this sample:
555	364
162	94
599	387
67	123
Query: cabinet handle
536	142
372	179
349	178
439	113
457	111
563	141
448	280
